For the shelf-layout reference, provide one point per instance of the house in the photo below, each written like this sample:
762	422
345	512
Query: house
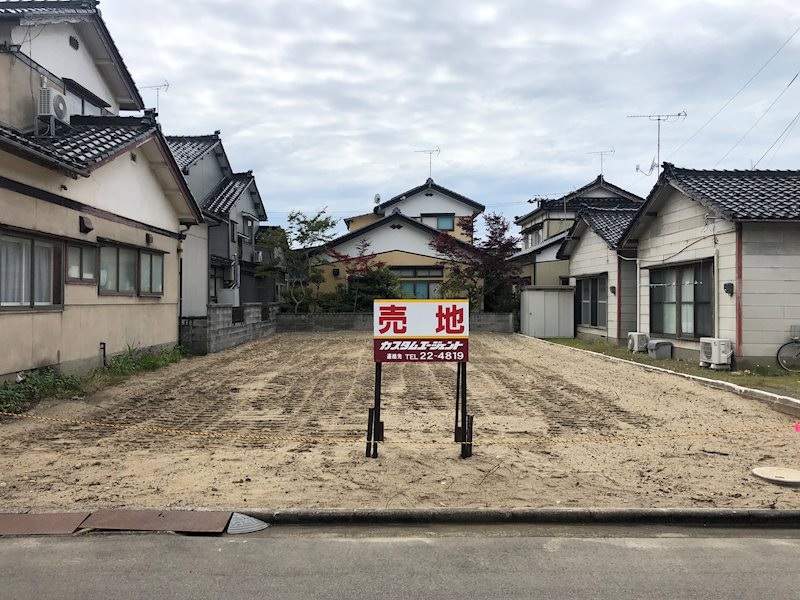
603	273
221	255
93	207
719	256
400	231
544	229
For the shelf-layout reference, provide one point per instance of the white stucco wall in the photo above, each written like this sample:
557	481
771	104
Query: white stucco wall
680	222
195	272
137	192
49	46
385	239
415	205
204	176
770	286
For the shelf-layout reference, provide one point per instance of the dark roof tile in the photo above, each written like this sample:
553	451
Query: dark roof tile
225	195
741	195
188	148
610	223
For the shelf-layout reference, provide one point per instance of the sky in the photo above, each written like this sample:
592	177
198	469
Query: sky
329	101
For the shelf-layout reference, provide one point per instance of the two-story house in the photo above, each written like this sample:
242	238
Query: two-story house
221	255
400	231
545	227
93	207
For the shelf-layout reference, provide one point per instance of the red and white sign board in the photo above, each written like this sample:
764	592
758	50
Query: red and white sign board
421	330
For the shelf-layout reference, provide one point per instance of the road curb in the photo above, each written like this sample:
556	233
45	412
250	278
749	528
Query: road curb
784	404
476	516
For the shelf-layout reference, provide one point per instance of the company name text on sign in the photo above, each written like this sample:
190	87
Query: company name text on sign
421	330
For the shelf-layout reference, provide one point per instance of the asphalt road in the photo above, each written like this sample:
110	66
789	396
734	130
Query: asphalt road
457	563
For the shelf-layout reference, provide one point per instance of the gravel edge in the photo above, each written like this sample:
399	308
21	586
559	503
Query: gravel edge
784	404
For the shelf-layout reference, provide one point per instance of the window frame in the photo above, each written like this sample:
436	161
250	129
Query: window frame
679	268
81	280
139	260
416	271
57	274
117	248
452	218
588	298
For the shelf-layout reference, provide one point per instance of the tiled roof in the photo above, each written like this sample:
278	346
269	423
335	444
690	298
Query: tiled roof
610	223
48	7
577	198
88	141
188	148
581	202
741	195
430	184
557	238
225	195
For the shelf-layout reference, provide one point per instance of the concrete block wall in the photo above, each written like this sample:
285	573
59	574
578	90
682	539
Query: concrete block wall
496	322
215	332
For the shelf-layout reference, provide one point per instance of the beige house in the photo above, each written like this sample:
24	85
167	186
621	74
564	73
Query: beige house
399	232
603	273
93	207
719	256
543	229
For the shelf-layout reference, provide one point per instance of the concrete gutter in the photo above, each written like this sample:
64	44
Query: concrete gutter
784	404
631	516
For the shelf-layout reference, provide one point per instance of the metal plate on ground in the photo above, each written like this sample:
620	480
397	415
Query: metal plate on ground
182	521
243	524
45	524
778	475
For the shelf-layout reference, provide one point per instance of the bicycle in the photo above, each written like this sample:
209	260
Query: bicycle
789	354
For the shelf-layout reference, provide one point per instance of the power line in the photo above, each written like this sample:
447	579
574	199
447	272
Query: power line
746	133
790	125
732	98
783	141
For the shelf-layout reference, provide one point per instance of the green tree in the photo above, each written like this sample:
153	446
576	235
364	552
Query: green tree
295	249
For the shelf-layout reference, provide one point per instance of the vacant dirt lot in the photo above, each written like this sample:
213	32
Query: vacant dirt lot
320	385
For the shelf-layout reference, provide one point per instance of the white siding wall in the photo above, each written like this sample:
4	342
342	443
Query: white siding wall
592	256
195	272
204	176
770	286
626	296
680	222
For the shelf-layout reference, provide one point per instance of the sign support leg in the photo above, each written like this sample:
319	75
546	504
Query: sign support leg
456	435
466	438
374	423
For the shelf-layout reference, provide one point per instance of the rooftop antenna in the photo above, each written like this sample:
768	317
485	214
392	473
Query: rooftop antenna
659	119
162	86
602	153
430	154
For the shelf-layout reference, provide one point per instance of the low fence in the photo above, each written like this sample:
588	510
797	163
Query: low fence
226	326
496	322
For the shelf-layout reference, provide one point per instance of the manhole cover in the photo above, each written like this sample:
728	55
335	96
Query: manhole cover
243	524
778	475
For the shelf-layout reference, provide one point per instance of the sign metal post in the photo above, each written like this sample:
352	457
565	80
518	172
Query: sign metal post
422	331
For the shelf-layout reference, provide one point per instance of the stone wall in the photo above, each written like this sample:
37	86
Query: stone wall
497	322
215	332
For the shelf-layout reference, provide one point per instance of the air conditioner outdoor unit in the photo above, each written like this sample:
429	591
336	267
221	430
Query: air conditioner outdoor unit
637	341
53	104
715	353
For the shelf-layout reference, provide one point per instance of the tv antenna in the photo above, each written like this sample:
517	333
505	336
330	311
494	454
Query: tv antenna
430	154
659	119
602	153
161	86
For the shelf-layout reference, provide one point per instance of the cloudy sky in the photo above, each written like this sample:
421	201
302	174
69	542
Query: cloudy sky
328	101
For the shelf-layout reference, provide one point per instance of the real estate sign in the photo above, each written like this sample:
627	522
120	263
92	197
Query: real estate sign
421	330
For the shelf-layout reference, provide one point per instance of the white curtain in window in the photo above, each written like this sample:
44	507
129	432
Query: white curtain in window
158	274
14	267
43	273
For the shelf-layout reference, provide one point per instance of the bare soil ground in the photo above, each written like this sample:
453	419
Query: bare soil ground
321	385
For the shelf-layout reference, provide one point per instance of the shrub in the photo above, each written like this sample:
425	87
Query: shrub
38	385
135	360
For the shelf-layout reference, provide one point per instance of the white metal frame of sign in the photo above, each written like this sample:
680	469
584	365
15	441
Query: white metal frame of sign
421	331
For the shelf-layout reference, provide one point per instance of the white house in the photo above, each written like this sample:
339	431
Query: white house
719	256
93	207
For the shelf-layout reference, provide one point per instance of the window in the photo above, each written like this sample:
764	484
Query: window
421	290
78	105
117	270
408	272
533	237
233	231
81	264
681	300
592	293
30	272
215	283
445	222
151	274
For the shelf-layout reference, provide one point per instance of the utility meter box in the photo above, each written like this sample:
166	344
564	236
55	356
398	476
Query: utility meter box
659	349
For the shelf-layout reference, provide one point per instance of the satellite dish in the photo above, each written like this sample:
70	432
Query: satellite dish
377	198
